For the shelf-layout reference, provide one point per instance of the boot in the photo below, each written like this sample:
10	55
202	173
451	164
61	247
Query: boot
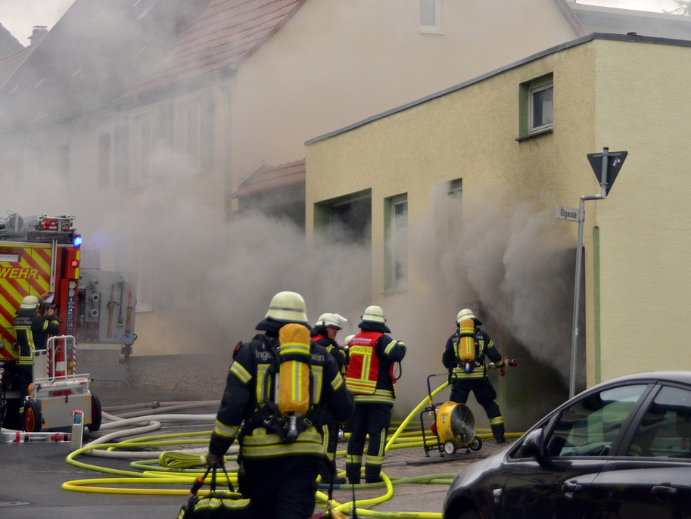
498	433
329	477
353	474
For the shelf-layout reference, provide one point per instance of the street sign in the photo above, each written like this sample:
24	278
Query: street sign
606	170
567	213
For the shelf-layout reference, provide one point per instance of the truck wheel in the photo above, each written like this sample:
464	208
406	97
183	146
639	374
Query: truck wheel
32	417
96	414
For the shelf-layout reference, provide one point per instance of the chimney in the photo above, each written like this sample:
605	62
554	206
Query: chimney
39	33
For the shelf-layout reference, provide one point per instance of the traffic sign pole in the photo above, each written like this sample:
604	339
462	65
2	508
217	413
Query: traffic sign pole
577	291
606	166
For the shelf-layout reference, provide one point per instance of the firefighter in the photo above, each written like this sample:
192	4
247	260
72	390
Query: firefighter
472	376
325	330
278	475
32	330
370	377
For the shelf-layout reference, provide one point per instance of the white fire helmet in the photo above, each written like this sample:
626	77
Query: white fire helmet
288	307
326	320
29	303
374	314
348	339
467	314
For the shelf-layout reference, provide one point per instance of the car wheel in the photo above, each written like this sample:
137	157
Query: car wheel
96	414
468	514
32	417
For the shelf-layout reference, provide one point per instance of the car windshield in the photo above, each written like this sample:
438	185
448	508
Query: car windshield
589	426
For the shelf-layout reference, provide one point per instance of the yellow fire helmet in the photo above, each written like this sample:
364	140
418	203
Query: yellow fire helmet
467	314
288	307
29	303
374	314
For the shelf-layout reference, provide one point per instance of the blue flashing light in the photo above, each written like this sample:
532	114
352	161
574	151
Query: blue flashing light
77	241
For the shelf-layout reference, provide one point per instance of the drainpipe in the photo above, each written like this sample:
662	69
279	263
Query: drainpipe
219	75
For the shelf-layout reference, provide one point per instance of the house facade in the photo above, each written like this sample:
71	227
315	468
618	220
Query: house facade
463	186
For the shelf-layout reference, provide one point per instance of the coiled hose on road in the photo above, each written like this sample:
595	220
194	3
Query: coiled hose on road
177	468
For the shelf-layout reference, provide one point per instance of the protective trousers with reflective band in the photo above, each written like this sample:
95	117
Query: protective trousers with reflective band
486	396
372	420
282	488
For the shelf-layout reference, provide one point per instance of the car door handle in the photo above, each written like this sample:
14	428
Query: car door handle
571	487
664	490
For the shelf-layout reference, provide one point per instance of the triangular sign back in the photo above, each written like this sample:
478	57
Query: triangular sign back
615	162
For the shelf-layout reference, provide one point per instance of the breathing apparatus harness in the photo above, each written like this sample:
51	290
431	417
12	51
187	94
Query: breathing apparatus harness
267	414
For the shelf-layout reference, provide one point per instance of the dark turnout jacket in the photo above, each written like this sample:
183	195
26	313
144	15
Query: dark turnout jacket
251	380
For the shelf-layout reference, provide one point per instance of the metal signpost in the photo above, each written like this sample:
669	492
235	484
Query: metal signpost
606	166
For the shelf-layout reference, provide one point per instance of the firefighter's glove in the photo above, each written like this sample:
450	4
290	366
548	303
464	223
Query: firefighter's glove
213	461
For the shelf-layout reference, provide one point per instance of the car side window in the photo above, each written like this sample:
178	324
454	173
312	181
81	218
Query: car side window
589	426
665	429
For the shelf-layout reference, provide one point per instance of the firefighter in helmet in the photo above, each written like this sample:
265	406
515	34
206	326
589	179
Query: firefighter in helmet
325	330
370	377
277	473
467	376
32	330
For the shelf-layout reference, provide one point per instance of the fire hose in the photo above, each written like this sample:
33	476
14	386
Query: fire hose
178	467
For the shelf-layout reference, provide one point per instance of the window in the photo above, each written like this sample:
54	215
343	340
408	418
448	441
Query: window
447	203
104	160
430	16
588	427
665	430
189	124
536	107
65	160
396	274
141	150
541	107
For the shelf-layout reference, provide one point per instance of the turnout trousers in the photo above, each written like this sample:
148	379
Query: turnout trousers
372	420
486	396
282	487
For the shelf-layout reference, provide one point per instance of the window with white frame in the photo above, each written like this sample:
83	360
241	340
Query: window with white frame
104	159
541	106
188	124
396	272
430	16
536	107
141	147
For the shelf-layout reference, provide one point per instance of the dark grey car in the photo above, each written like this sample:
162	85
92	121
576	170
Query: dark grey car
621	449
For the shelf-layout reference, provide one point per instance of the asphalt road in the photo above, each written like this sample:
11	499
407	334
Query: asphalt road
34	472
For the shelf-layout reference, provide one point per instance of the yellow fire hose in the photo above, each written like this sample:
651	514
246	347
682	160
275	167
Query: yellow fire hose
178	468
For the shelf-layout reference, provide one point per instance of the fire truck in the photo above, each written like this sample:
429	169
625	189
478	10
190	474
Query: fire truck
41	255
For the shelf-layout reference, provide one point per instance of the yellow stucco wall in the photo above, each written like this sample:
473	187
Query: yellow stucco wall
643	105
627	96
337	62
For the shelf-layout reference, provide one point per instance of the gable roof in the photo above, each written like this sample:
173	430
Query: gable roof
266	178
94	53
227	33
8	43
10	63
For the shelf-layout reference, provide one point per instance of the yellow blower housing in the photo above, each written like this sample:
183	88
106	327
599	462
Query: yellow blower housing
294	374
466	345
456	427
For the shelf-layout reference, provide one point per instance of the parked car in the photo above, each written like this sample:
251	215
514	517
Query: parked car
621	449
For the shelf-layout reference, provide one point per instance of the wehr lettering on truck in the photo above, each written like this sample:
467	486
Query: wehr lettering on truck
18	273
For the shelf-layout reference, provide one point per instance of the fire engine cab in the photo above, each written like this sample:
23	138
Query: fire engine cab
40	256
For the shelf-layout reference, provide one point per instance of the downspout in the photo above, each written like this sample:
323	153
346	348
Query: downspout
219	75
